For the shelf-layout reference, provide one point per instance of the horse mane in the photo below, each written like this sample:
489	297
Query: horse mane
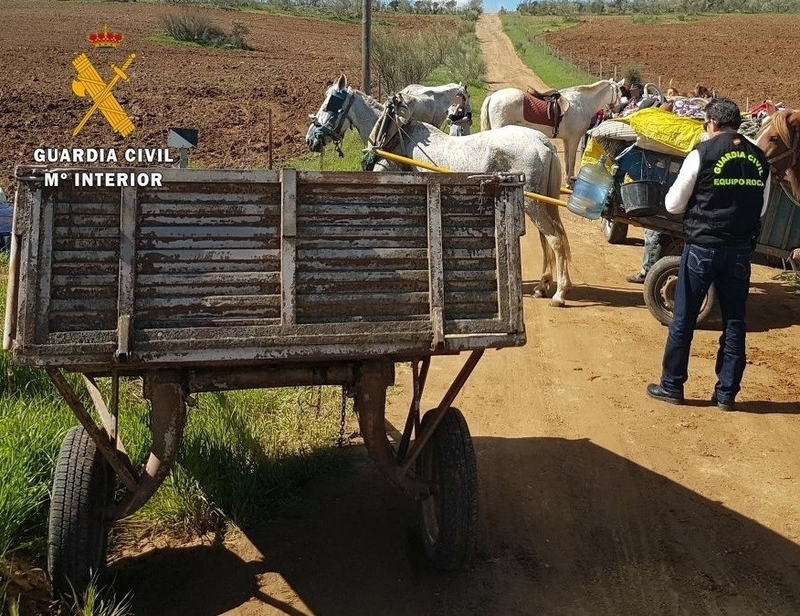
372	102
589	86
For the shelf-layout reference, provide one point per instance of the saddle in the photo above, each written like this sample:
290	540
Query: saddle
546	108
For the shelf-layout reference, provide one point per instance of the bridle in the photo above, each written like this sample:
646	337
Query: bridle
338	108
615	92
385	138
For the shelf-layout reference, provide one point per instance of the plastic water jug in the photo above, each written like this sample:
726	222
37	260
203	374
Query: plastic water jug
591	190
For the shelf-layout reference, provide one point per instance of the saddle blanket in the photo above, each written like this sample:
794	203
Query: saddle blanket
537	111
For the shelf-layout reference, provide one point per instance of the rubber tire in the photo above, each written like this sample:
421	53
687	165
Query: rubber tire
664	272
449	517
77	538
614	232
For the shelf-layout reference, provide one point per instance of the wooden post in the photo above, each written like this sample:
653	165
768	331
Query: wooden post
366	45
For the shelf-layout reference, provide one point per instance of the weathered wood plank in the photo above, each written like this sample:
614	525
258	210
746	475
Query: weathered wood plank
221	302
177	268
207	255
207	231
206	279
102	229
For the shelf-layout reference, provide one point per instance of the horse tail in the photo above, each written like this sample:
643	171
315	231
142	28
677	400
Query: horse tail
554	190
485	124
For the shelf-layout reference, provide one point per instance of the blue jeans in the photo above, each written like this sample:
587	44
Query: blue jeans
729	270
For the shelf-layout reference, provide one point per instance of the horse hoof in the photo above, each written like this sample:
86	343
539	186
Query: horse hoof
558	303
538	293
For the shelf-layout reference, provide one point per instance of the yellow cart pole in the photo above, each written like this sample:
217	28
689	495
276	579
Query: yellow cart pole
418	163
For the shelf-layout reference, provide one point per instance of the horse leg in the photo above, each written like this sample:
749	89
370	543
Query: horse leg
570	151
548	220
548	259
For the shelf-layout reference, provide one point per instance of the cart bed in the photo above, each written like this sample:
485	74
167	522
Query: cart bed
240	267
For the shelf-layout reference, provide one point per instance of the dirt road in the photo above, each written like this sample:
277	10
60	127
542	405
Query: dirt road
594	499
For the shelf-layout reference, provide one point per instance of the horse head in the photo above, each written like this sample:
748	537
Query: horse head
779	139
332	120
616	91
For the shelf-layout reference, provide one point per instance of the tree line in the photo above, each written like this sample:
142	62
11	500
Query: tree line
654	7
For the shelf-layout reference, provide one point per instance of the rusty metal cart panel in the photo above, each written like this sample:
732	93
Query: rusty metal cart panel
221	280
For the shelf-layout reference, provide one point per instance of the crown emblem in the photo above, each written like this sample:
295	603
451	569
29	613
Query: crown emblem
105	39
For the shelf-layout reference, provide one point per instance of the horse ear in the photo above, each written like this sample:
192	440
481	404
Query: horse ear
341	84
621	82
793	119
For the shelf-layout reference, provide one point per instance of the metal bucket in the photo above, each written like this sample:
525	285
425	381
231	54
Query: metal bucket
641	198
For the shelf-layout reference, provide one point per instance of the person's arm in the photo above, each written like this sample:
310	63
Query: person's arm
678	194
766	193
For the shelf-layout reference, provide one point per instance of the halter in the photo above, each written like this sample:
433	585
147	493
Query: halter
339	103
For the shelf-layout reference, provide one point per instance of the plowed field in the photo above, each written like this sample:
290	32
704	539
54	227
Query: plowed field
744	57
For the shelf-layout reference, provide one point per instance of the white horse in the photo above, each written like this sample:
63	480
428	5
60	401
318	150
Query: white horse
505	107
432	101
514	149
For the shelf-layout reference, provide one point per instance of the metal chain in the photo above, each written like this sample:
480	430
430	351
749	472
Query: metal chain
343	419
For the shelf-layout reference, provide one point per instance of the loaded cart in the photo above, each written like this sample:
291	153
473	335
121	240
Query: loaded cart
222	280
640	185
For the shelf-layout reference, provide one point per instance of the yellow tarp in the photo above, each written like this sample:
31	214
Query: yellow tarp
661	126
665	127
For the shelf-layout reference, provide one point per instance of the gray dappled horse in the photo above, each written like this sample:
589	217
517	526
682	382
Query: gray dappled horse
514	149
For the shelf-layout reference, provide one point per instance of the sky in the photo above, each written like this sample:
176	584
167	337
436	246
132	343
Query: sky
493	6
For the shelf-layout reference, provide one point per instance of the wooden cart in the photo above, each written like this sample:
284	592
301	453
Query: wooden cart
223	280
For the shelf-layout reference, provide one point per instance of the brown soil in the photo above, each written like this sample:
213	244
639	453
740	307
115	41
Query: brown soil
744	57
594	499
226	95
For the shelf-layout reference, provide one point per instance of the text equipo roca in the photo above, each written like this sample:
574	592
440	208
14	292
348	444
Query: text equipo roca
102	155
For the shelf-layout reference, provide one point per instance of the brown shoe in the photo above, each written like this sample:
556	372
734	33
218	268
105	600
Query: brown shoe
637	278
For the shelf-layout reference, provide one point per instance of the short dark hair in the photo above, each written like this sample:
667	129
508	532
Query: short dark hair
724	112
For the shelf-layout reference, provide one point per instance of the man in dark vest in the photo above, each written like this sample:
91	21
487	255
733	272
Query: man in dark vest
722	189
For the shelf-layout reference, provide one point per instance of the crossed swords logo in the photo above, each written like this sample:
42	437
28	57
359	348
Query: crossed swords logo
90	82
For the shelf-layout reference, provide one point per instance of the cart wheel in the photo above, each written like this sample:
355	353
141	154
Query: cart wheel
614	232
83	484
659	291
449	516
